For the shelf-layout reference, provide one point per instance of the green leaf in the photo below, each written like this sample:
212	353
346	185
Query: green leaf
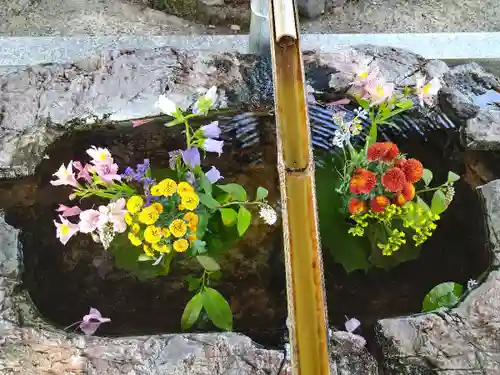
199	247
203	218
407	104
144	258
205	183
216	275
261	194
229	216
365	104
237	192
193	282
438	204
208	263
373	134
192	311
209	201
453	177
443	295
217	308
427	177
244	220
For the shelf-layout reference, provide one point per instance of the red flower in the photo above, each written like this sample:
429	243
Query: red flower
408	192
394	180
357	206
399	199
413	170
384	151
379	203
362	181
400	163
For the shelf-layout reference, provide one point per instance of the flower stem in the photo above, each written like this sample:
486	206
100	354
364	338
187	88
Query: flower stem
188	135
240	202
429	189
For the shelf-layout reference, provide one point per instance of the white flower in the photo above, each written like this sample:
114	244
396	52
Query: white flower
471	284
268	214
65	230
211	94
113	213
206	102
166	105
89	220
100	155
65	176
427	91
361	113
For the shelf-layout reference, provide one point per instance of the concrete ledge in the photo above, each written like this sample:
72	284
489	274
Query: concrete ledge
15	51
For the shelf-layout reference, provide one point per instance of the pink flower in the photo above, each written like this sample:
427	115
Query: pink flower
68	211
65	230
84	172
65	176
114	213
100	155
89	220
108	172
92	321
136	123
377	91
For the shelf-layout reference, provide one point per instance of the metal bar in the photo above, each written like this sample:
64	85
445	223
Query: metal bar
304	268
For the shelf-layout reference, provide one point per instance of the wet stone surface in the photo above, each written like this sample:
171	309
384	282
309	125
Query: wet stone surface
40	104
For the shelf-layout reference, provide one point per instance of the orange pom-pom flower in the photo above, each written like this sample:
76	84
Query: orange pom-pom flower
399	199
400	163
379	203
394	180
413	170
357	206
362	181
408	192
384	151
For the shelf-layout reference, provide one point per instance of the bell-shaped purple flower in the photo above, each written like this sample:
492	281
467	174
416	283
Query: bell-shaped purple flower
191	157
190	178
213	175
211	130
92	321
213	145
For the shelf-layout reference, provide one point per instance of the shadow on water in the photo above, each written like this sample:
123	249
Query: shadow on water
64	281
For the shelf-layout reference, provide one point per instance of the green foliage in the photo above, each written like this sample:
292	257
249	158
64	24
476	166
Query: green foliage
236	192
244	220
192	311
217	308
427	177
443	295
229	216
261	194
438	203
208	263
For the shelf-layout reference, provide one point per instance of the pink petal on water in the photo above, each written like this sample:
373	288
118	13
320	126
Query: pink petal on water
69	211
136	123
91	322
352	324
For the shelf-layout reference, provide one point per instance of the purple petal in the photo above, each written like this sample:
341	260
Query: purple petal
191	157
190	178
212	145
91	322
211	130
352	324
213	175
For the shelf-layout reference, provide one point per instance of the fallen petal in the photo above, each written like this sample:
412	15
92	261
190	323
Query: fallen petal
352	324
136	123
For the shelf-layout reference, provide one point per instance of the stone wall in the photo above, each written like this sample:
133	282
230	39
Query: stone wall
40	103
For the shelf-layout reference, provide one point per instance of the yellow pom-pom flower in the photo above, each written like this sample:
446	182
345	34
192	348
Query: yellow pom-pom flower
158	207
168	187
165	232
128	219
191	218
147	250
178	228
181	245
152	234
162	248
135	228
184	188
190	201
134	204
148	215
134	240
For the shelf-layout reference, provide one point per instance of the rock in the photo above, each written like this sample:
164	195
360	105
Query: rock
482	132
348	357
458	106
235	27
463	338
10	254
311	8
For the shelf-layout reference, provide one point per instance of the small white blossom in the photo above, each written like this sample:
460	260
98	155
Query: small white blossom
471	284
361	113
106	235
449	195
166	105
268	214
426	92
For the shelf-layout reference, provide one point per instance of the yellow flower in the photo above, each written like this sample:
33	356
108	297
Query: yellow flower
148	216
165	232
134	240
190	201
152	234
184	188
168	187
128	219
158	207
156	190
191	218
135	228
192	237
181	207
147	251
134	204
178	228
181	245
162	248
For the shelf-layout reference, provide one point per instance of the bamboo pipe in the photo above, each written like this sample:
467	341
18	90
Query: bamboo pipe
304	267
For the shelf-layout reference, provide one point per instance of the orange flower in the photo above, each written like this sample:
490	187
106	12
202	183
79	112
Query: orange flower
399	199
384	151
379	203
408	192
394	180
357	206
362	181
400	163
413	170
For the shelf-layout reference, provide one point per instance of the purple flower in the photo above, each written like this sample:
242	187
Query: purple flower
143	168
212	145
108	172
174	156
213	175
191	157
190	178
92	321
211	130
